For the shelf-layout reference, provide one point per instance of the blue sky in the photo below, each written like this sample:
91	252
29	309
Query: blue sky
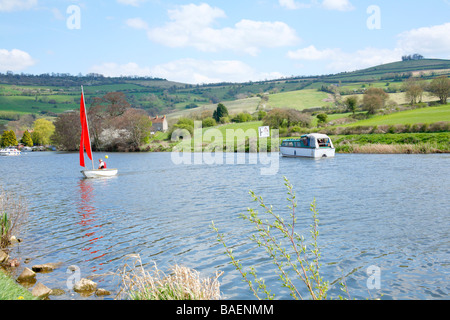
213	41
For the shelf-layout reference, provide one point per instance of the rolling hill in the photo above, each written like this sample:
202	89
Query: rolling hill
49	95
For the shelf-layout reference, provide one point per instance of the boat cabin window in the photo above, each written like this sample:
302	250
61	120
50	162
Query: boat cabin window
305	142
287	144
324	142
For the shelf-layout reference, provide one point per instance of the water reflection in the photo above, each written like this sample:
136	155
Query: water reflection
89	222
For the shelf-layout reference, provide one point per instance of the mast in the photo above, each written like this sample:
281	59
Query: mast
87	126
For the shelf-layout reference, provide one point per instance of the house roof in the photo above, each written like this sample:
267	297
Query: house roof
158	120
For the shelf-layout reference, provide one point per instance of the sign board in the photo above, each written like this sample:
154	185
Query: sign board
264	132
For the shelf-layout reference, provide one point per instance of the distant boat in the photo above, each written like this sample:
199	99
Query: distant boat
85	142
10	151
314	145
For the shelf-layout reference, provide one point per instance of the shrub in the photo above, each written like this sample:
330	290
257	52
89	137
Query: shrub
298	258
208	122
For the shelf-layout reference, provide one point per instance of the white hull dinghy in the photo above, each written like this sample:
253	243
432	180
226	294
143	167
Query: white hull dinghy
99	173
85	143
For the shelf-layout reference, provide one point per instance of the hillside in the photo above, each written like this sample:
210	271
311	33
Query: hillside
49	95
427	68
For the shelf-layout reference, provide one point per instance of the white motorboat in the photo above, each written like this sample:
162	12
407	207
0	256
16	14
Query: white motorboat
99	173
314	145
10	151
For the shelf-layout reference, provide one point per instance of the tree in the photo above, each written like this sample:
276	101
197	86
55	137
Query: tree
351	103
26	139
116	103
42	131
282	117
67	131
137	124
220	112
440	87
8	139
322	119
374	99
413	90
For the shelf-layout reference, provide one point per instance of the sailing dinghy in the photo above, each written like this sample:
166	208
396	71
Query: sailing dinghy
85	143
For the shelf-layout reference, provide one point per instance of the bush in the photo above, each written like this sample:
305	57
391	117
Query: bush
242	117
208	122
295	256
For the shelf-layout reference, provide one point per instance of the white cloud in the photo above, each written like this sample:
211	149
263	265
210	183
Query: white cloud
137	23
192	26
429	41
15	60
339	61
294	5
202	71
338	5
16	5
190	71
110	69
364	58
312	53
134	3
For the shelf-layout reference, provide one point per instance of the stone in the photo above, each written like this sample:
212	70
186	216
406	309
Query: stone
14	263
41	291
27	275
85	285
3	256
57	292
46	267
102	292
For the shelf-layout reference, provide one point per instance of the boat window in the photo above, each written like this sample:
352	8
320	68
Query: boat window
287	144
305	142
324	142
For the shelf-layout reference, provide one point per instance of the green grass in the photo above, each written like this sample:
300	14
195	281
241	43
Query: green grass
10	290
242	105
423	115
429	141
299	100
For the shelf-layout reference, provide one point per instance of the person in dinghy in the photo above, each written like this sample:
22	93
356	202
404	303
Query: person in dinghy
101	164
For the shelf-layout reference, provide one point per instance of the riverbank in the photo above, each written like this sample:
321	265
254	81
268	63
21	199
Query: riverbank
375	143
11	290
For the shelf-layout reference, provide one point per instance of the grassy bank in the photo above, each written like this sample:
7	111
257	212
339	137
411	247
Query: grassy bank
393	143
10	290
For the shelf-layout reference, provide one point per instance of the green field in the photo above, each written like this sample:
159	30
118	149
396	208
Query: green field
423	115
300	99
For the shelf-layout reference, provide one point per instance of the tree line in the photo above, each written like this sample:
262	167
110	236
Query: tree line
113	125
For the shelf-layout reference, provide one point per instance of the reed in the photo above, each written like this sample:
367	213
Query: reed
378	148
13	214
182	283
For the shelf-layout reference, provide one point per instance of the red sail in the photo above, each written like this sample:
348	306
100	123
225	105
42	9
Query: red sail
85	142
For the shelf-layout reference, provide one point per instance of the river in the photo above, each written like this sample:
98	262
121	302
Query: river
384	219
